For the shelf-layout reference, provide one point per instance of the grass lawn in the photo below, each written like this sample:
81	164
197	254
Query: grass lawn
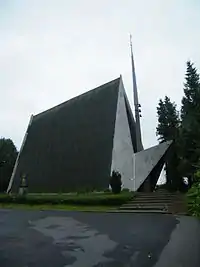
81	202
58	207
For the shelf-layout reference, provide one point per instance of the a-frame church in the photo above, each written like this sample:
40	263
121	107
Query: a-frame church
77	144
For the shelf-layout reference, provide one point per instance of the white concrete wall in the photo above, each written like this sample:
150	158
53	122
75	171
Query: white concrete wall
122	154
146	160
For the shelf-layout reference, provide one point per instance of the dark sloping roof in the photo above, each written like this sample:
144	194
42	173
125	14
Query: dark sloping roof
69	146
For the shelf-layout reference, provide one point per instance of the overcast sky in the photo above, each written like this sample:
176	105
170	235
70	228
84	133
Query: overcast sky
53	50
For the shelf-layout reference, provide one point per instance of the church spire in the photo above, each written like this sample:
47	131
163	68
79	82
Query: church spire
136	103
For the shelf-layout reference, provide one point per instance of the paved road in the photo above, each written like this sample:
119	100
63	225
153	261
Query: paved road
80	239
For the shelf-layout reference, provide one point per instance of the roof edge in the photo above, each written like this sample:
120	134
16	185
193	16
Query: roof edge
76	97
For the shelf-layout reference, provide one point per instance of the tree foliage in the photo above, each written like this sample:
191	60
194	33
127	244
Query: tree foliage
193	196
8	155
184	131
190	126
191	98
168	120
168	129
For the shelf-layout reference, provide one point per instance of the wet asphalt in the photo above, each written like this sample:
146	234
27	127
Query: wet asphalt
87	239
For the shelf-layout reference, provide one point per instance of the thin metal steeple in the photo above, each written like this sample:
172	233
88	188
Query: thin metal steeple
136	103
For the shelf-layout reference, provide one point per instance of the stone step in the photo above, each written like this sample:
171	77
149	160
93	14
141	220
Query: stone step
153	199
145	207
144	210
140	211
156	202
148	203
155	195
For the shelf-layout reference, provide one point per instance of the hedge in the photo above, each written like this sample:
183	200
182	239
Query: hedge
105	199
193	197
193	200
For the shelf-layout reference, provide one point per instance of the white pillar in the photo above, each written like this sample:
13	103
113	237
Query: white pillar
134	173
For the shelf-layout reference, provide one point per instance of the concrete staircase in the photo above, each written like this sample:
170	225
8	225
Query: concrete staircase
160	201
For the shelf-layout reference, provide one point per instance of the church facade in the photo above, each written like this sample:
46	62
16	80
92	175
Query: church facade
77	144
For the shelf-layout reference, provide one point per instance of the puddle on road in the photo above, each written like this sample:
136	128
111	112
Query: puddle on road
76	240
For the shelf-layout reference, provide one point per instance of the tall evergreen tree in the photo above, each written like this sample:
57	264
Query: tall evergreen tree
168	129
8	155
168	120
190	101
190	129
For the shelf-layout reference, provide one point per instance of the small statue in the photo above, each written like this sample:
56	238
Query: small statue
23	187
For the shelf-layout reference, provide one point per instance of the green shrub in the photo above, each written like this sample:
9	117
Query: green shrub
107	190
90	199
197	177
115	182
124	190
193	196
